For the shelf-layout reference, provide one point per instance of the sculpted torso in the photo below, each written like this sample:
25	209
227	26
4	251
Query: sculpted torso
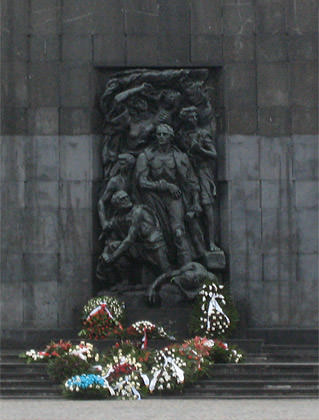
162	166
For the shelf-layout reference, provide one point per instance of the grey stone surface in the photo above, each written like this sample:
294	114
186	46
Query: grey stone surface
206	48
42	158
44	47
14	120
276	158
271	16
304	82
273	84
242	121
279	231
239	18
245	194
109	50
75	120
305	157
278	194
243	157
274	120
78	16
304	120
138	22
43	120
206	17
43	194
302	17
303	47
307	194
77	48
12	230
271	48
44	16
40	230
76	158
238	48
240	86
12	194
14	92
75	85
75	231
246	230
307	230
44	86
14	46
41	267
142	50
12	310
12	268
76	195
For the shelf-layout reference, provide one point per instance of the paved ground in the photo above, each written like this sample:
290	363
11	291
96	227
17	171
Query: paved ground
160	410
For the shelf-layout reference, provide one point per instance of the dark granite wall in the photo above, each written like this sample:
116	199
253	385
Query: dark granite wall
52	53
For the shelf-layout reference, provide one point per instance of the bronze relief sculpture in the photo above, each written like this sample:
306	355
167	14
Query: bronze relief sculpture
157	203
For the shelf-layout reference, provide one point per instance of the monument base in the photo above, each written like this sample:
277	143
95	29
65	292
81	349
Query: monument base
214	260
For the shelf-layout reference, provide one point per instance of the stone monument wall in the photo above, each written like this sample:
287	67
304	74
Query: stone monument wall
54	55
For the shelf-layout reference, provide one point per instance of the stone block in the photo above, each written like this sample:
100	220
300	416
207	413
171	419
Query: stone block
44	17
140	23
44	85
108	16
307	271
40	267
15	17
44	194
274	121
304	84
14	120
42	158
304	120
173	50
12	230
276	157
145	6
12	268
302	16
273	87
271	48
14	46
239	18
240	85
77	48
14	157
245	194
279	193
206	17
41	230
11	308
78	16
109	50
43	120
307	194
237	48
44	48
243	157
75	86
12	194
279	234
75	227
241	120
75	121
142	50
45	304
76	158
271	304
271	16
303	47
307	230
14	84
76	195
97	170
305	150
206	49
246	230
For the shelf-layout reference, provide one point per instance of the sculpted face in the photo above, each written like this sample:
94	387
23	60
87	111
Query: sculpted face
121	200
163	135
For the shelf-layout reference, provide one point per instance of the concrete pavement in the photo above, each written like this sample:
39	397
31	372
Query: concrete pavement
160	409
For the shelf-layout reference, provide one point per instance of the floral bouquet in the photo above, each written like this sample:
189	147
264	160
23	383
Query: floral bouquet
101	318
52	350
198	350
147	329
87	385
222	353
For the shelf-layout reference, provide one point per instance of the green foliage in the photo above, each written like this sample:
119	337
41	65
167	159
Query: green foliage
62	368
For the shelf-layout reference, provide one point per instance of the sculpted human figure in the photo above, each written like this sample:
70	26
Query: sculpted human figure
120	180
188	279
201	150
138	232
165	177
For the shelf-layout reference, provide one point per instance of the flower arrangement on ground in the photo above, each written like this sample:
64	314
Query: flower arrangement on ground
147	329
101	318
